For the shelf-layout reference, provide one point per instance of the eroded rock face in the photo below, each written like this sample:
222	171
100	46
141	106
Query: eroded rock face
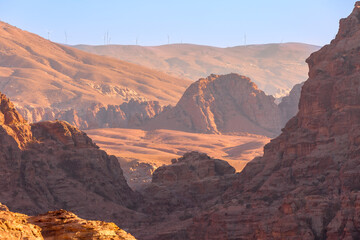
222	104
307	184
130	114
58	224
53	165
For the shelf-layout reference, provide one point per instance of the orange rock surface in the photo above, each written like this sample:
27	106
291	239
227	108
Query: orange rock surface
57	225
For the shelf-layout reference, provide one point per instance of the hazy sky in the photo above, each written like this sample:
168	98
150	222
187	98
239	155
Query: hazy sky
217	23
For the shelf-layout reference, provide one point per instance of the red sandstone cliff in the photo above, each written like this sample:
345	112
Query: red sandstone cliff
52	165
307	184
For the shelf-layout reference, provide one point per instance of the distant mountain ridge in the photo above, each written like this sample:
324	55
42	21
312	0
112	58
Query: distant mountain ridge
39	73
275	68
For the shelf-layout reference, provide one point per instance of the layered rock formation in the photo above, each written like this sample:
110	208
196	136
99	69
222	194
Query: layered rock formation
222	104
307	184
59	224
132	114
53	165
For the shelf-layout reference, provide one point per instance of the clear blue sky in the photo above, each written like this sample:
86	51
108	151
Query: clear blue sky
216	23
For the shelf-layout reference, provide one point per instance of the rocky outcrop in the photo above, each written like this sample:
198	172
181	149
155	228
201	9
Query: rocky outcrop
62	224
132	114
222	104
16	226
193	166
307	184
53	165
189	182
181	190
289	105
58	224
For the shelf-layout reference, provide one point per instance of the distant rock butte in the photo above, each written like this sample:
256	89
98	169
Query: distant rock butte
222	104
58	224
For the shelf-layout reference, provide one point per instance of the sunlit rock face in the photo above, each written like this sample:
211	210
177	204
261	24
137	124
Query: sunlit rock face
222	104
58	224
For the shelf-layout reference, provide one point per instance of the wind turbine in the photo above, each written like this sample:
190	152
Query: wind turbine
107	38
48	34
65	37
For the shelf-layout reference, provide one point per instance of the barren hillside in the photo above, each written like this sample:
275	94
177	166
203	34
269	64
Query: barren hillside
40	73
275	68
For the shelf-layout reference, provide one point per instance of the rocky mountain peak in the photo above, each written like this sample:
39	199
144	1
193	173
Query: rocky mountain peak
8	113
349	25
18	131
228	103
